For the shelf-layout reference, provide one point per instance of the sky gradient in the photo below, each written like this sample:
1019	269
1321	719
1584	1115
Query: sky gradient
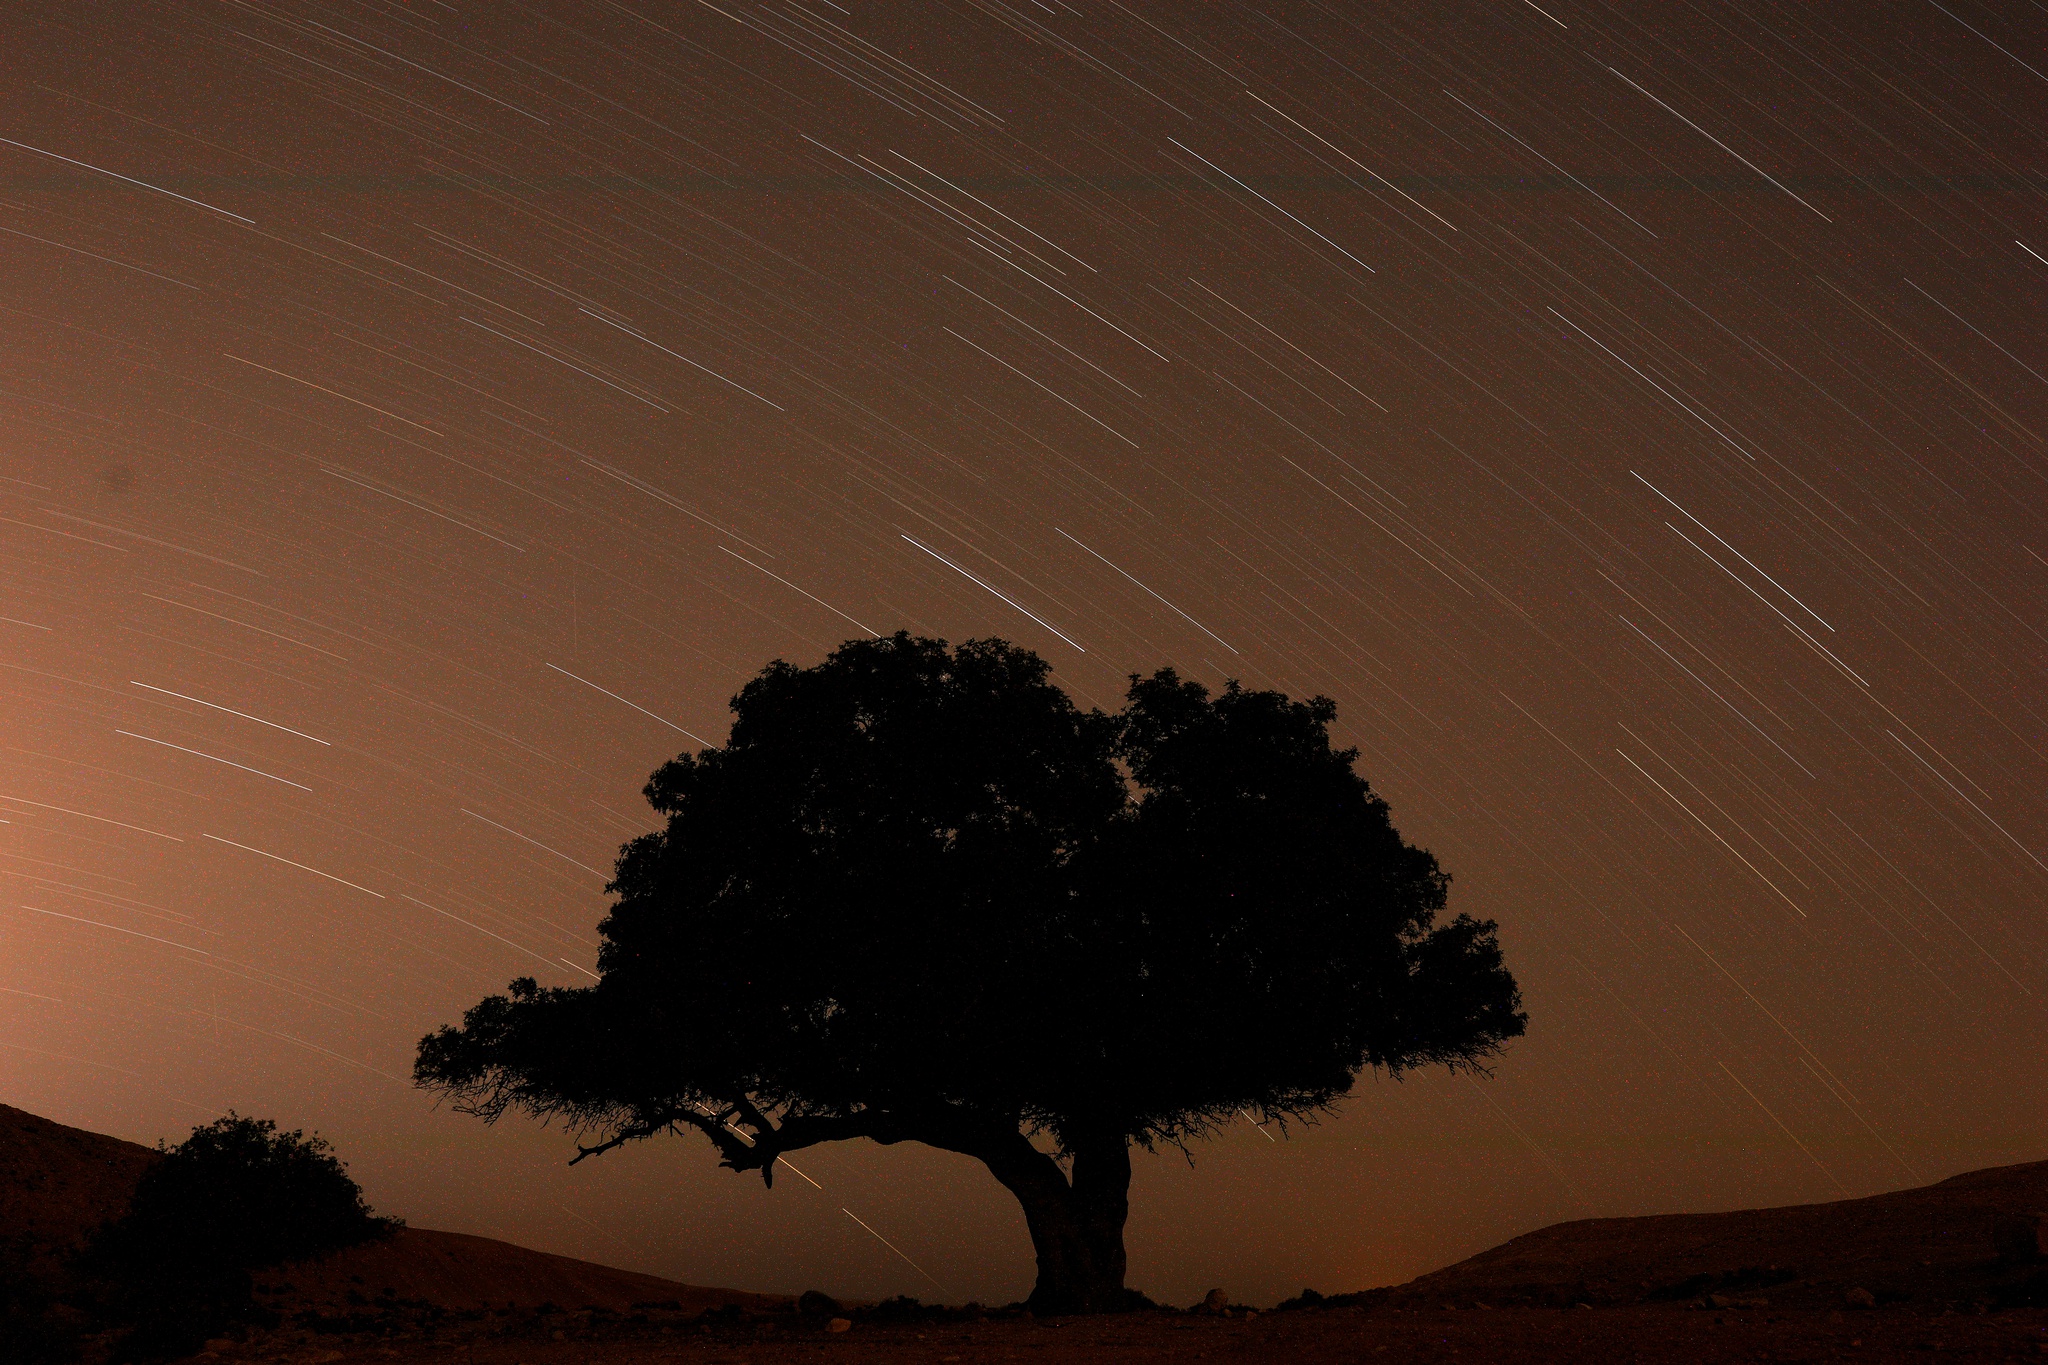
416	419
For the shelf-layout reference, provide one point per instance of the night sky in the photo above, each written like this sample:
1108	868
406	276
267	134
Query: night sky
418	418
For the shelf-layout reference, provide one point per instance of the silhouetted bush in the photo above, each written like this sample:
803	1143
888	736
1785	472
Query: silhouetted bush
235	1196
1309	1298
902	1308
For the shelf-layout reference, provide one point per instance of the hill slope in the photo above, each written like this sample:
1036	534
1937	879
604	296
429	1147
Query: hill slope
58	1183
455	1270
1934	1242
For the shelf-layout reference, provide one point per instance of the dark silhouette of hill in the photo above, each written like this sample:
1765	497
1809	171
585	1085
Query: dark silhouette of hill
58	1184
1933	1243
1925	1247
456	1271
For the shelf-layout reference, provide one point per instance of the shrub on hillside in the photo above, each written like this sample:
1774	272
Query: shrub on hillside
235	1196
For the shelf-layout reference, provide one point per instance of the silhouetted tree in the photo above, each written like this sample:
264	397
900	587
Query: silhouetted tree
235	1196
920	896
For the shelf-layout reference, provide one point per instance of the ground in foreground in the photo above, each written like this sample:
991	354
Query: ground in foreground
1660	1333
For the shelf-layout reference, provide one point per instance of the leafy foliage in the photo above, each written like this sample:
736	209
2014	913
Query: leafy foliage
921	896
919	883
239	1193
235	1196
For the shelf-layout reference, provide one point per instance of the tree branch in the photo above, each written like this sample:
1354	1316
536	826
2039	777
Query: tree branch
749	1111
944	1127
799	1131
631	1133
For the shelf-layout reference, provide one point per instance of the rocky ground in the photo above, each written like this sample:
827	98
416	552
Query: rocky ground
1678	1334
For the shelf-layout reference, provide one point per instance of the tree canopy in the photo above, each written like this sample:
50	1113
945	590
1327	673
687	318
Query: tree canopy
239	1193
235	1196
920	895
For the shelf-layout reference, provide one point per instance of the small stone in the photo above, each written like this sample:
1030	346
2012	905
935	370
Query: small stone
839	1325
1216	1301
1859	1297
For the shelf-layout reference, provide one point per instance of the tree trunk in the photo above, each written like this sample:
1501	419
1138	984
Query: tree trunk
1077	1227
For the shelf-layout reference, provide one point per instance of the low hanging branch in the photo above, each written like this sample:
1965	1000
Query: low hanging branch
763	1141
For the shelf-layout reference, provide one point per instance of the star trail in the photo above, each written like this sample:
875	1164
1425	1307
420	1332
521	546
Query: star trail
417	418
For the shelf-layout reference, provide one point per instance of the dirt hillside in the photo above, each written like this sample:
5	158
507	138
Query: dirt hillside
1757	1284
453	1270
57	1184
1934	1242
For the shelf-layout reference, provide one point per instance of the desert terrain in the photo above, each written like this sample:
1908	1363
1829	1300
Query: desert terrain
1913	1274
1660	1333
